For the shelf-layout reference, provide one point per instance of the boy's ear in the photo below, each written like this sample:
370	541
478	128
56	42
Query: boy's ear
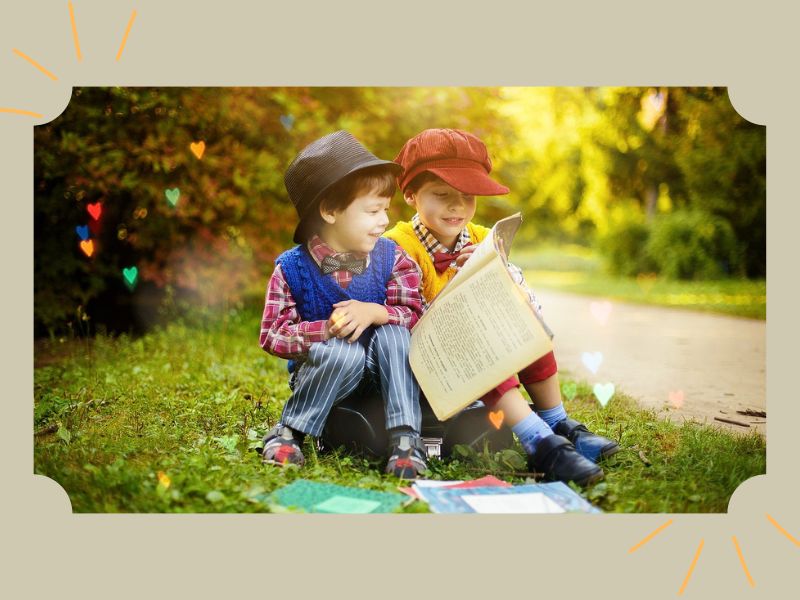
410	199
328	215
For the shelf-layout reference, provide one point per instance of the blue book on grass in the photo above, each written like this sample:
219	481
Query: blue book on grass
535	498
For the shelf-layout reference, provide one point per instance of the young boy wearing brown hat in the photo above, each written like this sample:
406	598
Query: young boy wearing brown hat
340	304
443	171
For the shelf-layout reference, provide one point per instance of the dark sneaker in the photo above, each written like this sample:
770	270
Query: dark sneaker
557	458
592	446
407	458
281	448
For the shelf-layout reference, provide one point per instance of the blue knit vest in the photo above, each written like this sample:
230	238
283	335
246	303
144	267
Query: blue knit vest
315	293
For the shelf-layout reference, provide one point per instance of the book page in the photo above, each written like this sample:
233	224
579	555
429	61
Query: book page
484	252
474	338
504	232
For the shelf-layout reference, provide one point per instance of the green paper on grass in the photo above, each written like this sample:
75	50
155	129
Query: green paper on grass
347	506
311	496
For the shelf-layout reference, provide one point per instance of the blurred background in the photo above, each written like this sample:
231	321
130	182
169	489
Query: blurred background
153	202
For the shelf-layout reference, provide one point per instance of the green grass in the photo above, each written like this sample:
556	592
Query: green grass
578	270
191	400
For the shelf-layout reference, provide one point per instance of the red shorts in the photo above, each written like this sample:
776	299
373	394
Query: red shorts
536	371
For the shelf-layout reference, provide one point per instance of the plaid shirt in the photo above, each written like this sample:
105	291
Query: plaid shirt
284	334
431	244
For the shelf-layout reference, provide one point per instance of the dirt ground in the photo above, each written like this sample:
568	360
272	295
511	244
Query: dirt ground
685	364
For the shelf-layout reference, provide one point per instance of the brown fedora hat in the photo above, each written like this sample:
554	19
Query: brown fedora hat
321	164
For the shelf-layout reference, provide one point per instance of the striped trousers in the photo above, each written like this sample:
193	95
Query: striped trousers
334	369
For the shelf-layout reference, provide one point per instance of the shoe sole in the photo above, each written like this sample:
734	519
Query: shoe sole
610	450
591	479
583	481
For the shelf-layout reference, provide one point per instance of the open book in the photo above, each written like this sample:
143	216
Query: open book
478	331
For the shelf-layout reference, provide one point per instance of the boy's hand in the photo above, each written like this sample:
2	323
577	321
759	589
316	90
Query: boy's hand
464	255
351	317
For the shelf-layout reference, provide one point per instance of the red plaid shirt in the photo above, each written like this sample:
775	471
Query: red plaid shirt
284	334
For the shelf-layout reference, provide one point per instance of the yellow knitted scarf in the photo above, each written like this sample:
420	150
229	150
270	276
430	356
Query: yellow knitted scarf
432	282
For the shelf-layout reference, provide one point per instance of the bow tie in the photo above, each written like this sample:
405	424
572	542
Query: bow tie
343	262
442	260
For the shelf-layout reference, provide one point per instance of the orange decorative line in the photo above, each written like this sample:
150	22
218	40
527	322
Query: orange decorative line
127	31
650	537
691	568
35	64
782	530
75	32
17	111
741	559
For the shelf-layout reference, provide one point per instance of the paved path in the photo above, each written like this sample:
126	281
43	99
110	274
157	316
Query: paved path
717	363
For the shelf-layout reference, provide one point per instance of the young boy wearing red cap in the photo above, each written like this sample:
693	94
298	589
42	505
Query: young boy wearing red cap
340	304
444	170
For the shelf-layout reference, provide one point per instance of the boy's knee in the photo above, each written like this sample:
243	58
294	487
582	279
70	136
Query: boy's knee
339	355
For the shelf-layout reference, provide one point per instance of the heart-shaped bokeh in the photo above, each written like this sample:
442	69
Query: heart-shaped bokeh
88	247
646	281
592	360
130	275
164	480
497	417
603	392
95	210
569	390
287	121
601	311
198	148
676	399
172	196
82	231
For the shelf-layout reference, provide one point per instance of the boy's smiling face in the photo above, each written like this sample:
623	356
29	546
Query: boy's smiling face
442	209
358	227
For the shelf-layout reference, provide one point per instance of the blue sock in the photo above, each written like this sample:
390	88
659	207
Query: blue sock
530	431
553	416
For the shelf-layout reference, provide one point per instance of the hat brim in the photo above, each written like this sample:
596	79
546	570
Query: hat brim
469	181
297	237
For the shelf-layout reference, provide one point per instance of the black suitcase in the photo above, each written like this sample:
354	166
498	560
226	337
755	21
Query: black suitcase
358	424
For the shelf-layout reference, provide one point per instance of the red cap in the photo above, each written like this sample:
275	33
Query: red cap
457	157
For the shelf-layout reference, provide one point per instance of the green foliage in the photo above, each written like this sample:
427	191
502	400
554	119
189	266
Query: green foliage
624	248
685	244
585	154
722	158
693	245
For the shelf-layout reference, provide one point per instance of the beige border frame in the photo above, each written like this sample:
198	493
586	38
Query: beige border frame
47	550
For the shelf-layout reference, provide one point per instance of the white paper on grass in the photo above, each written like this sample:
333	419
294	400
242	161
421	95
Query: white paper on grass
533	502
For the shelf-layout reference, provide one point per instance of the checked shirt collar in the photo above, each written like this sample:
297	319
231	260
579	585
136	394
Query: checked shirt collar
429	241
